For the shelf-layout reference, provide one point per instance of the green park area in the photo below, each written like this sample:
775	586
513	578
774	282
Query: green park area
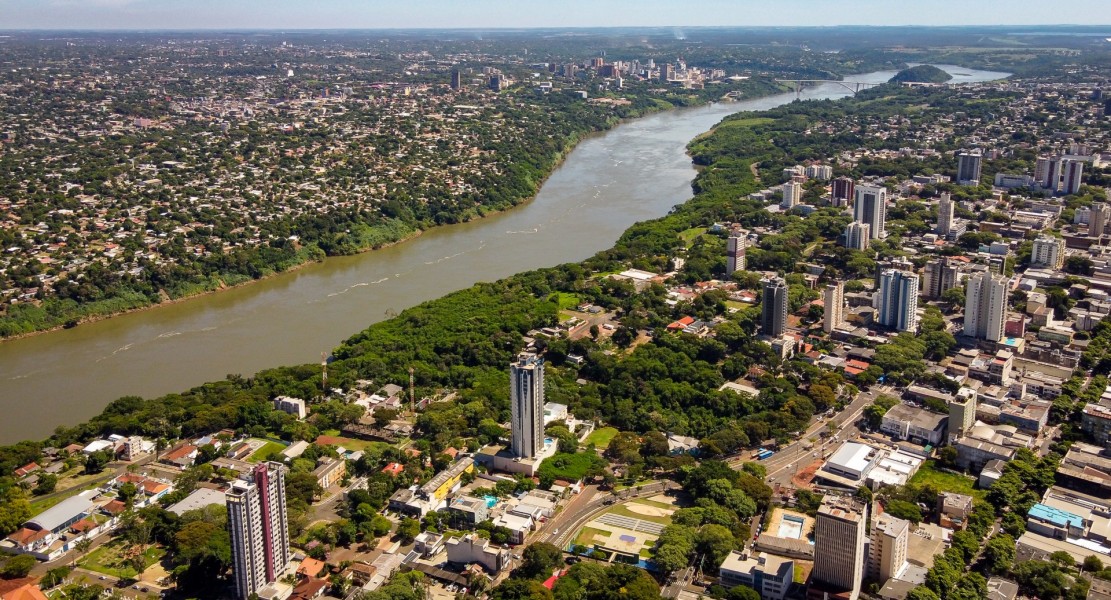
114	559
601	437
930	474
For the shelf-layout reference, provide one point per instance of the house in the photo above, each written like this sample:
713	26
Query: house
472	549
393	469
181	457
428	544
26	469
24	591
310	567
953	510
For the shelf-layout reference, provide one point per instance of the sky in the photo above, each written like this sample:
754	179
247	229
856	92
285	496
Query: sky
373	14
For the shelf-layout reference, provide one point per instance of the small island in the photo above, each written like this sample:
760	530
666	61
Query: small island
921	74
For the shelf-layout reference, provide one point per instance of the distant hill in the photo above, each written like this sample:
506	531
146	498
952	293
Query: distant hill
921	74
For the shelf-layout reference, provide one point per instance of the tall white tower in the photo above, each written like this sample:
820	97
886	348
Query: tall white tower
834	300
870	207
945	215
735	254
526	402
985	306
259	528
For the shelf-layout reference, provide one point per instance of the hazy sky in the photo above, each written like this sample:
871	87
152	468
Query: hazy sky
310	14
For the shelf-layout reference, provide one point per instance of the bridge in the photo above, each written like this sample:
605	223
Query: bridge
852	86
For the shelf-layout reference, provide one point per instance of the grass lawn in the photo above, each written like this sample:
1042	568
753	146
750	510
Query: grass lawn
655	503
689	235
625	512
946	482
568	301
601	438
107	559
586	536
265	450
743	123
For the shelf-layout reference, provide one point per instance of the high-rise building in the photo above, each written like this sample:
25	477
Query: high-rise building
857	235
1053	175
842	191
1041	170
962	412
526	405
773	311
1048	252
968	167
887	550
898	300
735	253
940	276
259	528
985	306
792	194
456	79
839	546
667	72
945	215
870	207
1072	176
834	300
822	172
1097	219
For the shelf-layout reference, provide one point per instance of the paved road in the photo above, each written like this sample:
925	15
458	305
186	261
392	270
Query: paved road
783	465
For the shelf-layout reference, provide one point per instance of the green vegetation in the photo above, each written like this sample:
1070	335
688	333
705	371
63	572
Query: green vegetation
929	474
265	451
921	74
110	559
601	437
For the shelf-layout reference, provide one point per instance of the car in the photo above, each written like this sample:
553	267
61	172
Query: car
102	578
610	501
571	560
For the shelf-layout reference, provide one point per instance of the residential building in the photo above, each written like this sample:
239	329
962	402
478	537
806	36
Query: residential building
969	164
953	510
735	254
472	549
857	235
838	548
843	189
870	207
834	300
469	510
792	195
945	215
962	412
293	406
526	400
1097	219
887	549
940	276
898	300
1048	252
1072	176
259	528
456	79
773	316
330	471
822	172
985	306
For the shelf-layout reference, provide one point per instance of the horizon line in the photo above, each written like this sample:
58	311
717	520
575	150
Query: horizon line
554	27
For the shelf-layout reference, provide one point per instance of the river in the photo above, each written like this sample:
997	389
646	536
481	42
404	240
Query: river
636	171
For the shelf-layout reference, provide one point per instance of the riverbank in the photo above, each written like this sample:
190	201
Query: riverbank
633	173
56	315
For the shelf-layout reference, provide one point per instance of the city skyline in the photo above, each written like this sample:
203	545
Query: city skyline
490	14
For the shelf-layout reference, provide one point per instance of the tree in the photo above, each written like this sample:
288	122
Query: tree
96	461
46	484
904	510
1092	563
999	554
18	566
380	525
521	589
408	530
538	560
715	541
742	592
921	592
54	577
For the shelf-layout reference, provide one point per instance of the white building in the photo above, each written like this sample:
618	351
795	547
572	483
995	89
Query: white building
985	306
259	529
1048	252
293	406
969	165
834	300
735	248
887	550
526	400
870	207
857	235
945	215
768	574
792	195
897	300
471	549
